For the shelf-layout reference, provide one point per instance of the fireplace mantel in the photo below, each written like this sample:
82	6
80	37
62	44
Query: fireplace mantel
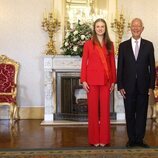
56	63
53	64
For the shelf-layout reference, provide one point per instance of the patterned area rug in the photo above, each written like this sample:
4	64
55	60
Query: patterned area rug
80	153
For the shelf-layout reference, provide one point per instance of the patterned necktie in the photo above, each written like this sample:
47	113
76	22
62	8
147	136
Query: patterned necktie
136	49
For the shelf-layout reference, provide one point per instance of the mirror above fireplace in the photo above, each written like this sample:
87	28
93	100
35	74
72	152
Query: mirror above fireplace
84	10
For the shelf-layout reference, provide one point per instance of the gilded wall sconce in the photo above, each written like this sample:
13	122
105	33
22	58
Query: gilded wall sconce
118	26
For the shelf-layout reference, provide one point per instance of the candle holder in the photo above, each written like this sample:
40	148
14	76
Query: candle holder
51	25
118	26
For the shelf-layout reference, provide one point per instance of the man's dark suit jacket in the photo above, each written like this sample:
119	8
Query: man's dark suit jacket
129	70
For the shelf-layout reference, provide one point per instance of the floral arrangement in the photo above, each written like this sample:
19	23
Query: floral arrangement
75	39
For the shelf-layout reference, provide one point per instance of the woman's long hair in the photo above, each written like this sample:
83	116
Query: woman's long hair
106	37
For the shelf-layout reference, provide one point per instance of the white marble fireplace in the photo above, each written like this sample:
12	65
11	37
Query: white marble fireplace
57	63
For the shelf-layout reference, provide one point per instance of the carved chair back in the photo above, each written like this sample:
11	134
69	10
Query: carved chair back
8	84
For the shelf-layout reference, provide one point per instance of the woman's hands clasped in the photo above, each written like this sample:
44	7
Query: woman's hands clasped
86	87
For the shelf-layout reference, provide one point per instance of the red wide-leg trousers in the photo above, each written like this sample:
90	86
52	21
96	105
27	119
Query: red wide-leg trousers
98	114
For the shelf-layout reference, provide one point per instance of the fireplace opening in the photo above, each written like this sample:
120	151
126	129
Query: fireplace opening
71	98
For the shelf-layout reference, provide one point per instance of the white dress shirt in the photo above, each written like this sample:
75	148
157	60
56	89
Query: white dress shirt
134	43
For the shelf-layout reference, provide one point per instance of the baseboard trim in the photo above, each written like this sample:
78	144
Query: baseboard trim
24	112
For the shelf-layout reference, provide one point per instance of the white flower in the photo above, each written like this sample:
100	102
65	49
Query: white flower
75	32
75	39
67	35
75	48
80	22
83	37
66	44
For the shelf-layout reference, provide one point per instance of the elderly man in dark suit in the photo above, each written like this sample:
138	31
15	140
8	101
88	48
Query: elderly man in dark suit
136	79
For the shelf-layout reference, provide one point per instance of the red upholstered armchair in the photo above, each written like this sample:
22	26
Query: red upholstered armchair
8	85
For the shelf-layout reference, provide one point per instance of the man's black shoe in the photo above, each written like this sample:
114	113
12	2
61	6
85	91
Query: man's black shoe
143	145
130	144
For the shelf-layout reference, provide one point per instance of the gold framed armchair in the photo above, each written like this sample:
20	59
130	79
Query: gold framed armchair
8	85
155	107
153	98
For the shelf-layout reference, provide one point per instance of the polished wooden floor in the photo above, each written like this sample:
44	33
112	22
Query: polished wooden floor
30	134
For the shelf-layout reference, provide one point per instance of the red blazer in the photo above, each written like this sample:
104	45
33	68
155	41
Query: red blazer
92	69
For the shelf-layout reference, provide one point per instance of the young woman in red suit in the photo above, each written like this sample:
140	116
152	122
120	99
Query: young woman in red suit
98	76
